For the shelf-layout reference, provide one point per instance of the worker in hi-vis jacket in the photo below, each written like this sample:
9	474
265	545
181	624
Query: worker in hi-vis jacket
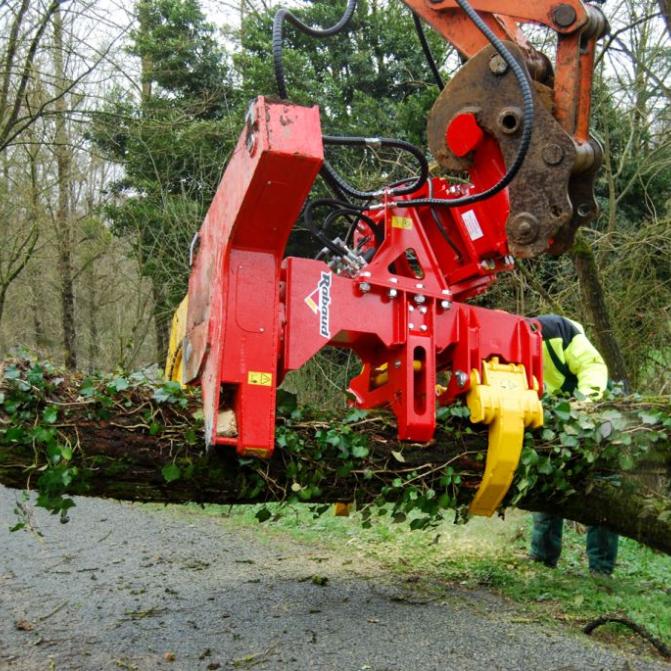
570	363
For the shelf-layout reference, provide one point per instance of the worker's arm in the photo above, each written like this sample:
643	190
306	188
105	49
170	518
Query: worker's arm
587	364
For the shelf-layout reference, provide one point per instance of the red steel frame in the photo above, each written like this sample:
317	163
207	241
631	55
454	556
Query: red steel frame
254	315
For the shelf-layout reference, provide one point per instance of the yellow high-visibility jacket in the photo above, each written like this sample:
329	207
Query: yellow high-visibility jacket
570	361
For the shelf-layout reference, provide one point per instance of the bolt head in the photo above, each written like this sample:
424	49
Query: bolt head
392	293
552	154
461	378
564	15
523	229
364	287
419	299
497	65
411	326
423	328
445	304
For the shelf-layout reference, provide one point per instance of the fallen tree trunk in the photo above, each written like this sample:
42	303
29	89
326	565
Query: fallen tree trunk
123	438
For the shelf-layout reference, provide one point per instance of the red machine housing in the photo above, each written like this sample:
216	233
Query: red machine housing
254	315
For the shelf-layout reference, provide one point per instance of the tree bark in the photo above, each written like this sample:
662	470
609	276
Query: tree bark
666	13
62	220
595	303
133	447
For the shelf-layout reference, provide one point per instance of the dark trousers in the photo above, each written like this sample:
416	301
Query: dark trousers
546	539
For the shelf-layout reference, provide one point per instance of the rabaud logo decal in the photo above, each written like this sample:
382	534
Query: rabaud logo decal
319	301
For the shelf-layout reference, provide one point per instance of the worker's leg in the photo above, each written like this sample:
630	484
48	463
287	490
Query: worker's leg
546	538
601	550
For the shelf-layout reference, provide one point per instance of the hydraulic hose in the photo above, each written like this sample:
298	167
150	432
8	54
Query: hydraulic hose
344	208
340	187
374	143
278	24
528	119
354	218
427	52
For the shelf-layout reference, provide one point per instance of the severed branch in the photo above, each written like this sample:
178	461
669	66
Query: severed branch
660	646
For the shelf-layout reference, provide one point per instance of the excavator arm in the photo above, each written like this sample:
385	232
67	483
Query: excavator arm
553	193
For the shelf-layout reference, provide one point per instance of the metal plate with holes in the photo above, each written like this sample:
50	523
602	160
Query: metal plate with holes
541	208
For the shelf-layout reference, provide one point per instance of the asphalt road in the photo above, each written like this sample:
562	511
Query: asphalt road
138	588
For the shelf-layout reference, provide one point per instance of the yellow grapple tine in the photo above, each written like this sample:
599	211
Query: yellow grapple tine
503	400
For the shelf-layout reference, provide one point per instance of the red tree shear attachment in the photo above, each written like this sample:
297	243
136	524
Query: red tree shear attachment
254	315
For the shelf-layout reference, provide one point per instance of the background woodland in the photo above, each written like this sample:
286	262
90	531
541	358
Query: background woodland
117	118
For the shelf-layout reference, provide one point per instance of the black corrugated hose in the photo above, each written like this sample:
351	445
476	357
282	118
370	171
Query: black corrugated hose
341	186
278	24
528	120
427	52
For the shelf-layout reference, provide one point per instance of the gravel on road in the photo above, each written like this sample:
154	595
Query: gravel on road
139	588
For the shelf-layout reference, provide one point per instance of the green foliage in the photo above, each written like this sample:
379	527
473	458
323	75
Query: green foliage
181	49
577	445
171	472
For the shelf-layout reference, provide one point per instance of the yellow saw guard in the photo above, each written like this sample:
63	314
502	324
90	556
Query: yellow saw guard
503	400
174	362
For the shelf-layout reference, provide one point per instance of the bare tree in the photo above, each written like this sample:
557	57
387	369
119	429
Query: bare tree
62	221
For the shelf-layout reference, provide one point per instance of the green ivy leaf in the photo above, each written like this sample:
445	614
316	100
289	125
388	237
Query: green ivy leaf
36	376
171	472
605	429
119	384
568	441
87	390
263	514
355	415
563	411
649	418
359	451
50	414
14	434
545	467
12	373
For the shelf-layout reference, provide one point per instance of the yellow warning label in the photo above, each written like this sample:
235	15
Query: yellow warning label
260	379
401	222
259	452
